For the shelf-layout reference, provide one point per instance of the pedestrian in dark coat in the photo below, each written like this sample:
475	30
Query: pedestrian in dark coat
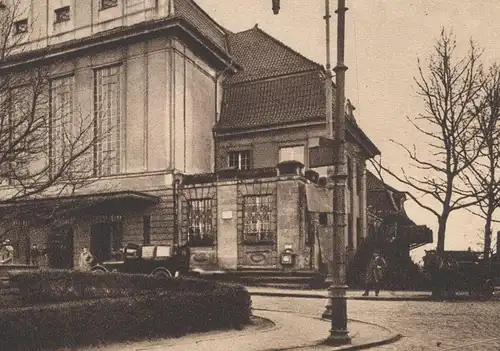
35	255
374	274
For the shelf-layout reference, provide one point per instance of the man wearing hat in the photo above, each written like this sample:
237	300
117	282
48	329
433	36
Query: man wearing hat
374	273
7	252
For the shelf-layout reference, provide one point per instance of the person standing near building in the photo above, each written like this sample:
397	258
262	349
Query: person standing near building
34	255
374	274
7	252
86	260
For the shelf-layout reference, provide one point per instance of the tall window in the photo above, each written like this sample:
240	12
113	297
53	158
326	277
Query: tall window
200	222
61	122
239	159
107	125
292	153
257	219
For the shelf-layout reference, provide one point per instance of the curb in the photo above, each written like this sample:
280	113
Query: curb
393	337
320	296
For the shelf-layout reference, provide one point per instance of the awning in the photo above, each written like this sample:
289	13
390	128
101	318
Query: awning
319	199
95	204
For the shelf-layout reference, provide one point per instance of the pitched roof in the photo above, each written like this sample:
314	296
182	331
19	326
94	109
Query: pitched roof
263	56
290	99
189	10
382	198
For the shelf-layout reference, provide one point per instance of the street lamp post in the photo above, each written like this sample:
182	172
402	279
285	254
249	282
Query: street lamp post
336	307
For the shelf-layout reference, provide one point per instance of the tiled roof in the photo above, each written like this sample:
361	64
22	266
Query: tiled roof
263	56
190	11
289	99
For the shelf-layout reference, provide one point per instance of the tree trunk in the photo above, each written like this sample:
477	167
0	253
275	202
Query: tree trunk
487	240
441	234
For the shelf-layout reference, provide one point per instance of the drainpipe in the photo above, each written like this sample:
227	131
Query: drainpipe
217	76
176	240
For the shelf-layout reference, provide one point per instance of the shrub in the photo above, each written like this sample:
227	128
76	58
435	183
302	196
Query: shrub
95	321
64	285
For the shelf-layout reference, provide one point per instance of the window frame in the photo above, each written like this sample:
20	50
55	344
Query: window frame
207	235
101	165
21	26
254	237
66	80
239	153
107	4
62	14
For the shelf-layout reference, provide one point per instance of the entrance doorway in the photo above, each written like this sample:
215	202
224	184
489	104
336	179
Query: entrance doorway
60	251
105	238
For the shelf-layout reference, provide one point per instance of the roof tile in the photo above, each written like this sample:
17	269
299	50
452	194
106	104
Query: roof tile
263	56
190	11
288	99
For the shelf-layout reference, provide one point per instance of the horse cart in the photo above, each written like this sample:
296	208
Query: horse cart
455	271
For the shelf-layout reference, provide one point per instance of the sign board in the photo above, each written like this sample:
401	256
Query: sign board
320	156
323	154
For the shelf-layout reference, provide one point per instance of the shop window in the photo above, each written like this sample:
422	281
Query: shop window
257	219
239	159
200	222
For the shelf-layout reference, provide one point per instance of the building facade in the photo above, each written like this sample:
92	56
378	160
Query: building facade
186	102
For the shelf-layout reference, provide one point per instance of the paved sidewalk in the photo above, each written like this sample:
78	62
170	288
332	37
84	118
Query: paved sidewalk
385	295
288	331
351	294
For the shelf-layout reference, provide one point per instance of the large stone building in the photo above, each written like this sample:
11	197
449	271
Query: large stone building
187	100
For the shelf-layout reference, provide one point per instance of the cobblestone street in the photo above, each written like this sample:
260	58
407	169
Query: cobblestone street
464	326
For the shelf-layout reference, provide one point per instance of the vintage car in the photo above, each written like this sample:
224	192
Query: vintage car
158	260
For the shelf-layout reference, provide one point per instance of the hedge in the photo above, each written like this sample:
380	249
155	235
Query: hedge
63	285
85	322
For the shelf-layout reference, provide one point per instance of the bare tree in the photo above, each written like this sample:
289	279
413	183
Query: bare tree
46	144
449	89
484	176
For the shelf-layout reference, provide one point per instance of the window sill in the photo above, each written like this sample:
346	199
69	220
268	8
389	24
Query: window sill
259	242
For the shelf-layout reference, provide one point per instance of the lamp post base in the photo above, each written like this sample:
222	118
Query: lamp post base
336	311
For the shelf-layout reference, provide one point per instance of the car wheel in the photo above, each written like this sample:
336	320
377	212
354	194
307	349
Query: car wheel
162	273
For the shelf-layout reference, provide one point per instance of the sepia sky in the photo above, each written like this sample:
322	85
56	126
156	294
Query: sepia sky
384	38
